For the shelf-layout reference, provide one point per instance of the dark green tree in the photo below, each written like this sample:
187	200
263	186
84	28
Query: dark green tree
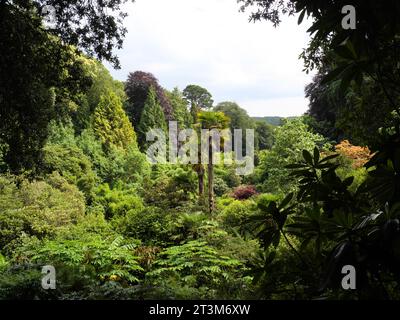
339	116
198	98
36	57
179	106
152	118
264	135
239	119
95	26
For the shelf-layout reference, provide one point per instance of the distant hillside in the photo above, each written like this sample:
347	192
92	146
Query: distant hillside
275	121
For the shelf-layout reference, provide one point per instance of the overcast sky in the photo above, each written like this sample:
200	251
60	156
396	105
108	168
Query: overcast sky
212	44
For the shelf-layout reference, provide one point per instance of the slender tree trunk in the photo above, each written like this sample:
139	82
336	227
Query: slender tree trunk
210	178
200	175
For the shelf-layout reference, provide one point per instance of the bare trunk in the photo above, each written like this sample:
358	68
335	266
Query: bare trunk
210	178
200	175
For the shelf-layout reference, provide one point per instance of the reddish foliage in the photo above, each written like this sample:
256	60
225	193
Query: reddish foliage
358	155
244	192
137	88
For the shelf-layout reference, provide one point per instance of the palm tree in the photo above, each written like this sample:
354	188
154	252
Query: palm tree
212	120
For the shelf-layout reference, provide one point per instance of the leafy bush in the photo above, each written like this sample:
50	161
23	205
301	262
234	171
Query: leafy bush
266	198
220	186
114	165
72	164
188	226
117	202
37	208
337	228
151	225
237	212
93	222
244	250
197	269
228	175
290	139
110	259
170	187
3	262
23	283
93	149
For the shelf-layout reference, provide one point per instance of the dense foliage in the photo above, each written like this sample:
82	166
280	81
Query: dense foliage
77	192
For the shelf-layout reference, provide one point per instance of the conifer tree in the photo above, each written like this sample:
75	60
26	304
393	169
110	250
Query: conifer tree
179	105
152	118
111	124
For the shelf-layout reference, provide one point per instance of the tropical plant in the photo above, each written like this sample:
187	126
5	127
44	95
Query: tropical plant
196	265
212	120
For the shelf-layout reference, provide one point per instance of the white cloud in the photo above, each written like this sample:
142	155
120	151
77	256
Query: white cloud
285	107
211	43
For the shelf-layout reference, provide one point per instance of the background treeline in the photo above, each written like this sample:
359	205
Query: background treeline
77	192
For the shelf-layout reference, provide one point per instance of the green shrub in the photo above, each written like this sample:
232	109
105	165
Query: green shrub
103	259
236	213
220	186
170	186
359	174
151	225
114	164
72	164
118	201
187	226
290	139
228	174
265	198
37	208
92	223
196	270
23	283
3	262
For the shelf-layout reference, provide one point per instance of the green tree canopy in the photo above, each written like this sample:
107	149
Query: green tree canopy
199	99
290	140
95	26
342	115
239	119
38	65
34	66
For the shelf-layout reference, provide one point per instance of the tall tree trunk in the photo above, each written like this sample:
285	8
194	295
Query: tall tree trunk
210	178
199	168
200	175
